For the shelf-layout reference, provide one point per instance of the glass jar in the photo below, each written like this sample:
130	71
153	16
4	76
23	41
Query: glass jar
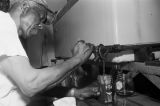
124	85
105	88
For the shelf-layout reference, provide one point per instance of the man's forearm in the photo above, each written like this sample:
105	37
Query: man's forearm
49	77
31	80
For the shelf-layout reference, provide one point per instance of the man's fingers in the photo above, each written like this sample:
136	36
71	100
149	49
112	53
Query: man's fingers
90	45
81	41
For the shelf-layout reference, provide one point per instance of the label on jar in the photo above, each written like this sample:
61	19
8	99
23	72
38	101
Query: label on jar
119	85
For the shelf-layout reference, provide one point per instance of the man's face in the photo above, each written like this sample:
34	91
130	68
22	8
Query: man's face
30	24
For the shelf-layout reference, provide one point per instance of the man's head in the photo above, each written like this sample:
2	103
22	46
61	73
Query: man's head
30	16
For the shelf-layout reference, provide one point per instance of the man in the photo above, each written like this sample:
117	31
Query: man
18	79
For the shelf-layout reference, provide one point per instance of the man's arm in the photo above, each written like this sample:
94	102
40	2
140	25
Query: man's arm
32	81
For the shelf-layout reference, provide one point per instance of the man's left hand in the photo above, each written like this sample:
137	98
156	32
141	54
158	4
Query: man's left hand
86	92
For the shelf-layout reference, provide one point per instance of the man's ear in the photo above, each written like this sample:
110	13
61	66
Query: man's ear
24	7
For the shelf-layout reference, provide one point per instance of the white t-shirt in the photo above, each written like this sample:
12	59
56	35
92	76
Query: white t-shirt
10	45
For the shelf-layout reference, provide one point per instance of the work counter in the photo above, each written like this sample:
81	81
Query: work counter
135	100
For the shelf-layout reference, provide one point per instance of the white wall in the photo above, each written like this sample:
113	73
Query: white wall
108	22
138	21
90	20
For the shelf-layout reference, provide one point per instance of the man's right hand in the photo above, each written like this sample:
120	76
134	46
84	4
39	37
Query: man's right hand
82	50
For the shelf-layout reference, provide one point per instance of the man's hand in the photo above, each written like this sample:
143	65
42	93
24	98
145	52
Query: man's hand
86	92
82	50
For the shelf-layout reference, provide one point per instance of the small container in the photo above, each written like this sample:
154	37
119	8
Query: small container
125	86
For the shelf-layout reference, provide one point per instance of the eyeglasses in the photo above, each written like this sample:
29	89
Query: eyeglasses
34	29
